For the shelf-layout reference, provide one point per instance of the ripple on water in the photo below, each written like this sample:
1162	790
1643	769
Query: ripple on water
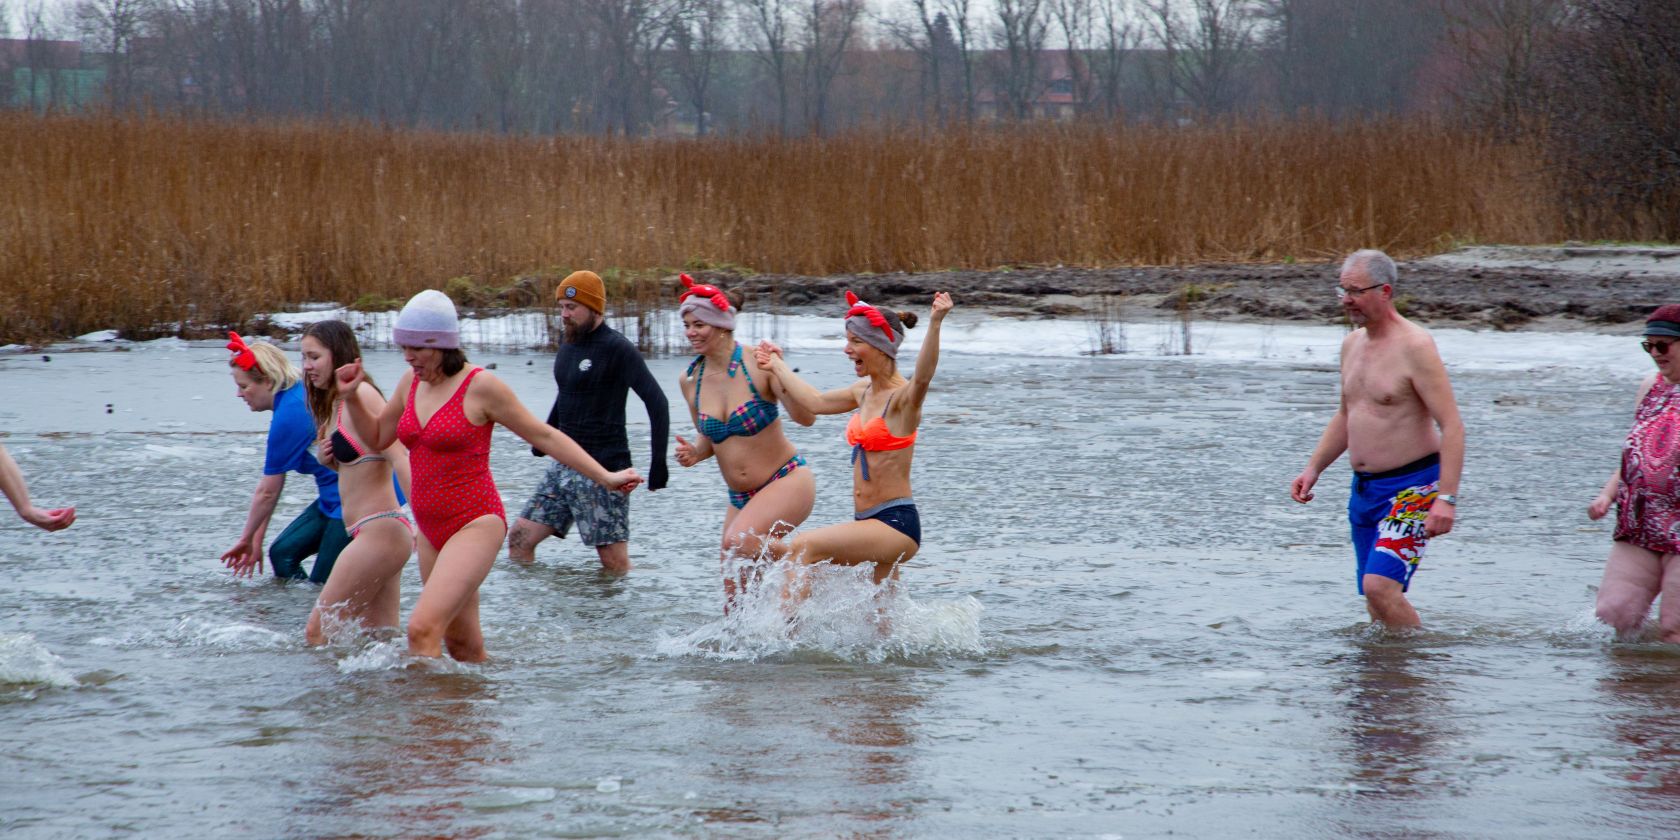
844	617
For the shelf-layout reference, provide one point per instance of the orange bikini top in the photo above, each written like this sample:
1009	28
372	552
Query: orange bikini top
874	436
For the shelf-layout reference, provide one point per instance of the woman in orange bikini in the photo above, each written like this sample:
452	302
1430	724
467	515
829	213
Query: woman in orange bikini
886	529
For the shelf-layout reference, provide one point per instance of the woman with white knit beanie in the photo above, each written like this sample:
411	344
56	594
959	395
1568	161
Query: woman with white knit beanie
443	412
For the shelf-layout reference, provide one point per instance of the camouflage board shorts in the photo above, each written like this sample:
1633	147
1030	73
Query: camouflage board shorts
565	497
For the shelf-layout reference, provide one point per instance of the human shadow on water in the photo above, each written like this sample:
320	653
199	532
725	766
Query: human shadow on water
402	755
838	740
1642	686
1394	729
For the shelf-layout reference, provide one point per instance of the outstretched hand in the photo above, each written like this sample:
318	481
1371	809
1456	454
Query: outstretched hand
49	519
941	305
244	558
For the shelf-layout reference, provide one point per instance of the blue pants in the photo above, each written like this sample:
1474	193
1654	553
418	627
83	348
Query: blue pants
1386	511
312	532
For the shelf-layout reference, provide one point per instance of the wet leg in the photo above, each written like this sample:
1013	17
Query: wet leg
1386	600
1632	578
447	611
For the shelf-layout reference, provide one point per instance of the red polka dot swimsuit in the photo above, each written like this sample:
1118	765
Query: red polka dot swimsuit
450	460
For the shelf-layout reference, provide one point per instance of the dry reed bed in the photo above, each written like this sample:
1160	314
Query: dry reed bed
128	223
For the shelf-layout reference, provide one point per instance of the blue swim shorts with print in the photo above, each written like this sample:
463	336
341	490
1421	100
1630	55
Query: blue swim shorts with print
565	497
1387	511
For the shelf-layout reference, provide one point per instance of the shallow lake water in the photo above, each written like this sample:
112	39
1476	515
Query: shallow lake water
1119	626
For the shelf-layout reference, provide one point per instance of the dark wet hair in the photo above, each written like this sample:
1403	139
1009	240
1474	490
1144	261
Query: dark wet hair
453	361
340	343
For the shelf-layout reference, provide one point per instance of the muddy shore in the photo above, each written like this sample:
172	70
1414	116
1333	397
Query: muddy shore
1501	288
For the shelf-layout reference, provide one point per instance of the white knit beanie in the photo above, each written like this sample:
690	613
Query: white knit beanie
428	320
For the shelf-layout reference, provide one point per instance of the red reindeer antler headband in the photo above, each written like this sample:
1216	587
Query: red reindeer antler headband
705	292
243	358
874	315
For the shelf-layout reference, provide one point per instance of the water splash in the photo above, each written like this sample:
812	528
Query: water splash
25	661
843	615
379	656
196	632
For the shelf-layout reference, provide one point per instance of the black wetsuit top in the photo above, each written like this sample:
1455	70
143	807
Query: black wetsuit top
593	375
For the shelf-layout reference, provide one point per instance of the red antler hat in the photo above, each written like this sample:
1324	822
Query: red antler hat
708	303
871	326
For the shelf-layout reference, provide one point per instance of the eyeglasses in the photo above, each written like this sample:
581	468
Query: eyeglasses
1656	348
1343	292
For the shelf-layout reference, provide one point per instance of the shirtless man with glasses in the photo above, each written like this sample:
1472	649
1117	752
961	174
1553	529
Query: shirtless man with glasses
1400	426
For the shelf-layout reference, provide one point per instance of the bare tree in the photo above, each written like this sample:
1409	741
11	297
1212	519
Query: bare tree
1500	44
1074	19
826	28
919	34
632	34
1205	51
960	20
1117	36
1612	88
112	26
1351	57
1021	29
696	42
766	28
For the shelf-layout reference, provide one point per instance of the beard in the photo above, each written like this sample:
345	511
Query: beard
571	333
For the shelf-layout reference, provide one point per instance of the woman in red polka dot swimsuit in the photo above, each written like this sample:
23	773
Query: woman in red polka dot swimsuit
445	422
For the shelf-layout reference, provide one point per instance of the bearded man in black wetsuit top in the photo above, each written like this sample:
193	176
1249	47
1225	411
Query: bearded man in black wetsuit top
594	368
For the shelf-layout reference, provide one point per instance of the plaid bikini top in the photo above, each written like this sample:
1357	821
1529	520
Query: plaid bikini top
748	419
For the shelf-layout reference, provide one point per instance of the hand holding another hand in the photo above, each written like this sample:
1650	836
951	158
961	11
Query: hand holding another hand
624	481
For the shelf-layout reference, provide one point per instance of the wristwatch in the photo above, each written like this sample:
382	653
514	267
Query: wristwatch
1449	498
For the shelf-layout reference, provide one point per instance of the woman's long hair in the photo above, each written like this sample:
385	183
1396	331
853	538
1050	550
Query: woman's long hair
340	342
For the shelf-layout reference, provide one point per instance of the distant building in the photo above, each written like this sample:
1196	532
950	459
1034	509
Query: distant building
1054	92
47	75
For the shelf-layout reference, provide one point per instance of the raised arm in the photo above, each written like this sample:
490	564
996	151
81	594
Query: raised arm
500	405
797	394
377	431
927	360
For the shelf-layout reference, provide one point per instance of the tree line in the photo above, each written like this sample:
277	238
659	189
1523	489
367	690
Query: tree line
1596	81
